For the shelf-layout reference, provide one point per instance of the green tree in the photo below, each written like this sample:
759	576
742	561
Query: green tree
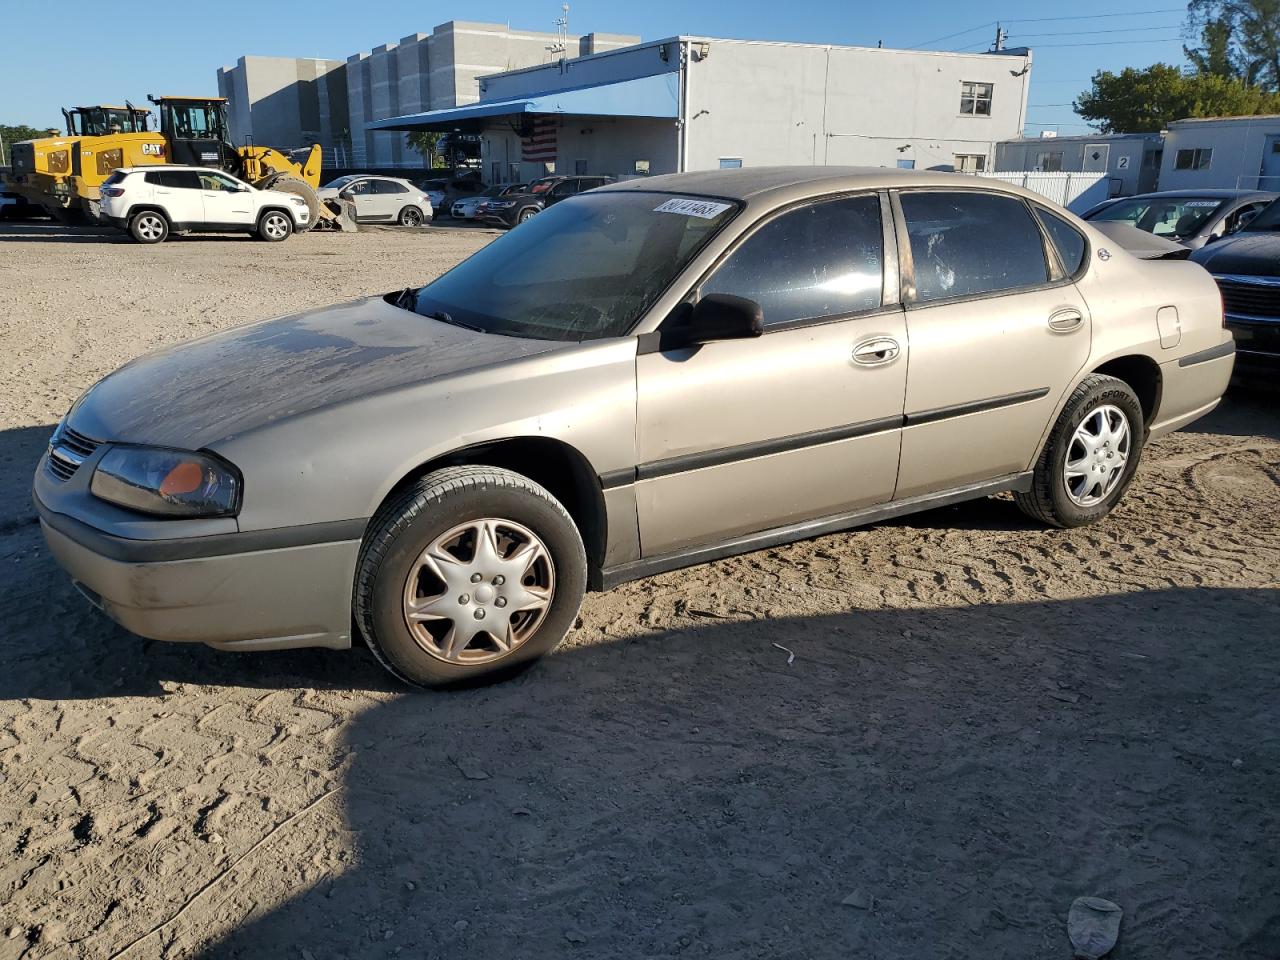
13	133
425	142
1240	35
1146	100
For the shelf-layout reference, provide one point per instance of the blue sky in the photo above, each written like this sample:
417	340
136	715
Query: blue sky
82	52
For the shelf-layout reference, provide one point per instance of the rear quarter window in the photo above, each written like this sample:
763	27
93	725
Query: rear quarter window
1067	241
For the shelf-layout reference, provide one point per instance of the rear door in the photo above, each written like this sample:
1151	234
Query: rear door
391	197
178	192
740	436
998	330
225	202
365	197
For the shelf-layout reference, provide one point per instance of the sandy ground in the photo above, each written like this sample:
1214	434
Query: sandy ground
983	720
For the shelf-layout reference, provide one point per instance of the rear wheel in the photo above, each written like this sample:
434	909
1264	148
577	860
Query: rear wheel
274	226
149	226
411	217
470	572
1090	457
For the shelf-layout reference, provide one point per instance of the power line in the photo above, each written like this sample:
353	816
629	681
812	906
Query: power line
1110	43
1087	33
981	26
1081	16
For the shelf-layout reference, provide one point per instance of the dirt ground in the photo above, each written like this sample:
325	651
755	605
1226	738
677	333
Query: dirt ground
984	719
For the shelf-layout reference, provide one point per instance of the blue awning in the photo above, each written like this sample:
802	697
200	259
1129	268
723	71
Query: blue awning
657	96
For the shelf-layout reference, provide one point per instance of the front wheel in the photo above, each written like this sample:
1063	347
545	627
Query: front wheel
470	572
274	226
149	226
411	217
1090	457
528	213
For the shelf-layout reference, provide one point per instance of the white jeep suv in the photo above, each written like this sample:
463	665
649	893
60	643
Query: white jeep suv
152	202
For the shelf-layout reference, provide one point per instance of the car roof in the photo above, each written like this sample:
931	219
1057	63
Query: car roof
1207	194
781	184
170	166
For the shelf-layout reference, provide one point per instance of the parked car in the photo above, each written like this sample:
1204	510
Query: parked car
649	375
516	209
465	208
434	189
1189	217
152	203
1246	267
381	199
15	206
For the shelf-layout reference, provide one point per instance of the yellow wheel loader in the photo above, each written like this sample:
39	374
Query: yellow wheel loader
43	170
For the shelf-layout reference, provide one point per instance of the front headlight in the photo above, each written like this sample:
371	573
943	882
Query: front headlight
167	483
299	201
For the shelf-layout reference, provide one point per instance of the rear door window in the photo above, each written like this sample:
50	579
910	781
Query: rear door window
966	244
390	186
824	259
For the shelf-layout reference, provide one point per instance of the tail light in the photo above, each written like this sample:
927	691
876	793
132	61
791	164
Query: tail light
113	192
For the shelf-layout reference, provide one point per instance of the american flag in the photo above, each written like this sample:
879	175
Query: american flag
540	144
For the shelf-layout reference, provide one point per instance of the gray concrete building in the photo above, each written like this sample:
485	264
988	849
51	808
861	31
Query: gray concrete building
693	103
1129	161
286	102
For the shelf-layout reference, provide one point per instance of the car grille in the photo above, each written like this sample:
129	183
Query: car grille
67	450
1250	296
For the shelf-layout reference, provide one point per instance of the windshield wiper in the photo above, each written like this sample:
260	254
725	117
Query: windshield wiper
448	318
406	298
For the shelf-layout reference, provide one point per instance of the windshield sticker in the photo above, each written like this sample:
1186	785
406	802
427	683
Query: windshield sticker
1202	203
706	209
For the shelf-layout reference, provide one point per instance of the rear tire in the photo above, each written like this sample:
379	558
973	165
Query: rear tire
411	217
274	226
1090	457
149	226
422	554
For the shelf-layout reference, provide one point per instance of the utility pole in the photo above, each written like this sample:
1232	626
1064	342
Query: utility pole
1001	37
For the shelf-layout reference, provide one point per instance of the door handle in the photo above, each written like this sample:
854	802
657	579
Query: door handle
1066	320
875	351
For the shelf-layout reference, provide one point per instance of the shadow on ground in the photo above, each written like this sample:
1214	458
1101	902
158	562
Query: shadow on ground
959	775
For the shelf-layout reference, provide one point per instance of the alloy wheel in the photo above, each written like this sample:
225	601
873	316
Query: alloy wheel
150	226
1097	455
275	226
479	591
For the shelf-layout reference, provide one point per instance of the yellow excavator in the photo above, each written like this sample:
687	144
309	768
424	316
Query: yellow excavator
193	130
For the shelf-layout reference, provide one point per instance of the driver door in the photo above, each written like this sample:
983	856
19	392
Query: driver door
365	197
804	422
226	201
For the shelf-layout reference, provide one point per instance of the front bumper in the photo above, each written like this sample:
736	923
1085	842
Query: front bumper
1257	341
214	592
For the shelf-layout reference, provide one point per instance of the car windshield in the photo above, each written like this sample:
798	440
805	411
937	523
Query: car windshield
1268	218
338	184
585	269
1173	217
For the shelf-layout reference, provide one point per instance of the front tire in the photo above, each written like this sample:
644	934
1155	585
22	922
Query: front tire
1090	457
469	572
528	213
411	217
149	226
274	226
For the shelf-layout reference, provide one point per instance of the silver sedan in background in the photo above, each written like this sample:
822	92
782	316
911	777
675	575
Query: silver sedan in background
1191	218
464	208
648	375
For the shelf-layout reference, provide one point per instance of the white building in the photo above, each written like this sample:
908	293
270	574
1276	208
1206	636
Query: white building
693	103
1130	161
1230	152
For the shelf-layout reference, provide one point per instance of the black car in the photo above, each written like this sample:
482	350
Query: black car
517	208
1247	269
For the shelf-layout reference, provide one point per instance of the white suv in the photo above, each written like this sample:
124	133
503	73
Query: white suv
152	202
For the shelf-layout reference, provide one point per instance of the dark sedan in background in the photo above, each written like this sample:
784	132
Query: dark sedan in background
1247	269
516	209
1192	218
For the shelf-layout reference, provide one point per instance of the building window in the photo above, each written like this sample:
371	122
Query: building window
975	99
906	164
1049	161
730	163
970	162
579	167
513	172
1197	159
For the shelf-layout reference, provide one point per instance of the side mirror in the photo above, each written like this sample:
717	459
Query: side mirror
721	316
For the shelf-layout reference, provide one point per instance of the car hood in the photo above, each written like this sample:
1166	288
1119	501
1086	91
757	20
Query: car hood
1256	254
328	194
197	393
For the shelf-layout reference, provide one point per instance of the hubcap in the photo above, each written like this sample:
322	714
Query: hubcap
1097	455
479	591
275	226
150	227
